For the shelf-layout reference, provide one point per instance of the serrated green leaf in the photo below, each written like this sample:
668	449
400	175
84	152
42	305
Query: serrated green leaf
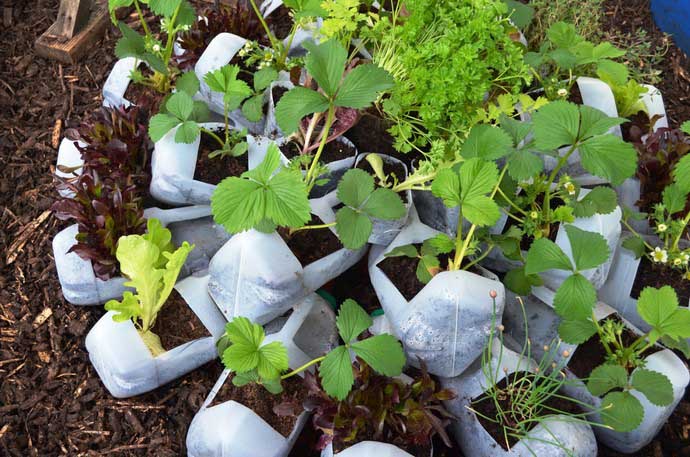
608	156
272	385
355	187
486	142
354	228
264	77
253	108
200	113
576	331
126	309
654	385
362	86
545	255
575	298
685	127
427	268
325	62
180	105
384	204
164	8
161	124
441	243
589	248
520	14
242	330
555	125
187	132
524	164
113	5
605	378
446	186
188	82
519	282
636	245
242	379
659	308
241	357
601	200
681	172
614	73
352	320
295	105
621	411
478	178
131	44
407	250
681	345
674	198
273	360
383	353
336	373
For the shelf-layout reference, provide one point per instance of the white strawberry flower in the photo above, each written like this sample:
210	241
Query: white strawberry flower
659	255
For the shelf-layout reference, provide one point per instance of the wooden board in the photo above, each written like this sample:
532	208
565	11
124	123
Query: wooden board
54	46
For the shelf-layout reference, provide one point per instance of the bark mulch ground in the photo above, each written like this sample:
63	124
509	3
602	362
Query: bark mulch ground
51	400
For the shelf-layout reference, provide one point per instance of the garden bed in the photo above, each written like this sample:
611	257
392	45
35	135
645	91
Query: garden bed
51	400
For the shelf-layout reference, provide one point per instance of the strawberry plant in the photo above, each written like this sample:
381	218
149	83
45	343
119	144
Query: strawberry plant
625	368
176	16
243	351
151	265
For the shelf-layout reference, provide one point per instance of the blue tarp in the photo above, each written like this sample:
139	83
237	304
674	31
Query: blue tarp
673	16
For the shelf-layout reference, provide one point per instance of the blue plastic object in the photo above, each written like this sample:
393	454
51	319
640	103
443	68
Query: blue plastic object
673	16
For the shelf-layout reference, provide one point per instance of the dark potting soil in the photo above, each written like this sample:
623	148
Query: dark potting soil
280	22
390	169
333	151
259	400
245	73
638	125
214	170
355	284
526	241
650	274
144	97
592	353
177	324
402	272
487	407
277	92
311	245
575	95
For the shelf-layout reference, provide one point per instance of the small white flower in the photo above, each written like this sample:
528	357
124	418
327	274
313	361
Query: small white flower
677	261
686	259
570	187
660	255
534	215
562	92
186	28
156	48
661	228
242	52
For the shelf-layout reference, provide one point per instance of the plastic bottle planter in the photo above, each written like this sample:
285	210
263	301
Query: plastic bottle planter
257	276
117	82
617	291
556	436
665	362
126	366
68	156
173	165
231	429
629	192
446	324
77	279
271	128
385	231
369	449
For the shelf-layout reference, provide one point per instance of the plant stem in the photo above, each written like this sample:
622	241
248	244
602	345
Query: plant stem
546	209
686	221
310	131
302	368
324	139
312	227
141	19
213	135
260	16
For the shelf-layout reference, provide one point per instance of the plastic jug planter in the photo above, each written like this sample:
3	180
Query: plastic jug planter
231	429
118	81
69	156
369	449
257	276
447	323
663	361
617	291
125	364
173	166
79	284
575	439
630	191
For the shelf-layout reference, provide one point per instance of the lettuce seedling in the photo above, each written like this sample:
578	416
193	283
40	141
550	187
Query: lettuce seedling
151	265
272	196
242	351
176	16
624	369
576	296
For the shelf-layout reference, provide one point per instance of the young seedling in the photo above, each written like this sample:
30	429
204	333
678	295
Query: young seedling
151	264
576	296
624	369
272	196
418	180
670	220
356	89
176	16
242	351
